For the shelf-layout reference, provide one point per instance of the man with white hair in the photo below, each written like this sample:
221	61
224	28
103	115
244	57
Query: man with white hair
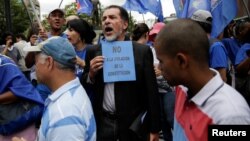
68	112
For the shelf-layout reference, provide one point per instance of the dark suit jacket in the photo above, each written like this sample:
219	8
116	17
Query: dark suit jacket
132	97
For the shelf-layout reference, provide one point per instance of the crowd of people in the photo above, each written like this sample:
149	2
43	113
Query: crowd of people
53	88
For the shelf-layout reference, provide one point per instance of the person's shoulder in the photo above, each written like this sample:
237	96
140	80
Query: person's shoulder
16	50
140	46
246	45
18	45
227	39
228	100
64	35
244	49
217	45
93	47
5	59
232	104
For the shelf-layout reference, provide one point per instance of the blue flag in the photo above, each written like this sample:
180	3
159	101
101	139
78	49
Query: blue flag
12	79
154	6
223	11
185	8
84	6
135	5
144	6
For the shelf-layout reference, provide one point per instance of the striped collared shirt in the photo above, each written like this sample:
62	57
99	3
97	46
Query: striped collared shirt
68	115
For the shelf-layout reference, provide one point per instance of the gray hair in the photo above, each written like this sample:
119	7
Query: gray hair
64	67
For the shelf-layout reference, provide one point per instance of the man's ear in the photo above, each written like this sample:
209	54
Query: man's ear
51	63
125	25
182	60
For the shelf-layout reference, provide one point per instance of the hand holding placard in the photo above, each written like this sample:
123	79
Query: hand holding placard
119	62
95	65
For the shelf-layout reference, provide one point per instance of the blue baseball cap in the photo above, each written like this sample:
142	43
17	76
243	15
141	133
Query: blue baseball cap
60	49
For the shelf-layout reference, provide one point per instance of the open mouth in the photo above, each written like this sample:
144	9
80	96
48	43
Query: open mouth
108	29
57	23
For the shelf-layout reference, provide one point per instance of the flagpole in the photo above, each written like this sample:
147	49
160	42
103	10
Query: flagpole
248	14
60	3
36	16
76	8
143	17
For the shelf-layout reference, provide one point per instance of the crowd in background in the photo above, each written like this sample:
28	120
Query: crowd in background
69	100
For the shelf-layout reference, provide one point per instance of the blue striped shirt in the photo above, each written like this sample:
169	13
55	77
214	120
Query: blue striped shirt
68	115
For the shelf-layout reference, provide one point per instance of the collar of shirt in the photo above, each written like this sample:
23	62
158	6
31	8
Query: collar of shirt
60	91
209	89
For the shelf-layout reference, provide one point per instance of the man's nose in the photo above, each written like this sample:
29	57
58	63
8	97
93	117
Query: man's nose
107	21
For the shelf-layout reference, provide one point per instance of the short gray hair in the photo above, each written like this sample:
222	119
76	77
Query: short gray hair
64	67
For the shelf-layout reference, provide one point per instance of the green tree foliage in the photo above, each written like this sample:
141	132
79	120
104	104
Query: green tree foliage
19	17
2	17
131	23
